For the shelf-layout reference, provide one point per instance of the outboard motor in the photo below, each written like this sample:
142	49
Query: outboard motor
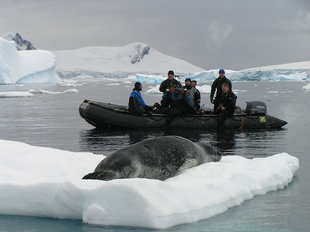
256	108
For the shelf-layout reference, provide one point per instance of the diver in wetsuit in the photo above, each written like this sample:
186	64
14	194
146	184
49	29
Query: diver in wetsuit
217	86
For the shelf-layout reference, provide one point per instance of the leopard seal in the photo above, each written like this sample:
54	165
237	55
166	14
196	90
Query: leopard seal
159	158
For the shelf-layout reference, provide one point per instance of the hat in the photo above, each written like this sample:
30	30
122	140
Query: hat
188	79
137	85
170	72
222	71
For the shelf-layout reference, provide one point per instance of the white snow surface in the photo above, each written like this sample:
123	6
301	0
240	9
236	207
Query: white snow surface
134	57
296	65
306	87
31	66
33	92
45	182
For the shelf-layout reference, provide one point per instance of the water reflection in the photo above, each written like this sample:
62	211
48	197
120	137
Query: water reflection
253	143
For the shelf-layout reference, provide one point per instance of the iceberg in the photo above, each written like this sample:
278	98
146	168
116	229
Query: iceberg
33	92
306	87
25	67
254	75
46	182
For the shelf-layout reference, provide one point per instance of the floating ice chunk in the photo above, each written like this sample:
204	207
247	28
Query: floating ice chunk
46	182
272	91
113	84
204	89
14	94
254	75
41	91
154	90
32	93
306	87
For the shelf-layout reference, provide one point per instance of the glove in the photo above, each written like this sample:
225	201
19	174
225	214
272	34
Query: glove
171	90
211	100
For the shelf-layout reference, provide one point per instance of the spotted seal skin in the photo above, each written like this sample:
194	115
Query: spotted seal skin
158	158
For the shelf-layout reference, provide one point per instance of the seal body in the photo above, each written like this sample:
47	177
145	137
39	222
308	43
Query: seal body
158	158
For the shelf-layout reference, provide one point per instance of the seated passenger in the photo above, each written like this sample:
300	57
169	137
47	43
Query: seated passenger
136	103
196	97
226	108
166	85
187	85
179	104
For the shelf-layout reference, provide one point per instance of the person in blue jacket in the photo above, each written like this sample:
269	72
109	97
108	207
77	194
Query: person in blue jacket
136	103
179	104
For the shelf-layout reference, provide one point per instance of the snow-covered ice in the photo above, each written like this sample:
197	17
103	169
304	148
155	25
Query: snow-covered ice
306	87
153	90
254	75
204	89
45	182
131	58
33	66
13	94
33	92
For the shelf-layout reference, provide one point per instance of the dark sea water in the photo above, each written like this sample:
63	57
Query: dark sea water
52	120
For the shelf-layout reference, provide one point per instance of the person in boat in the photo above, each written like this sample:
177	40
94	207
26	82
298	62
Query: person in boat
166	85
226	108
170	82
217	86
179	104
196	97
136	103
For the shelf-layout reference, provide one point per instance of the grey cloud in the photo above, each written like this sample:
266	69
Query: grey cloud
208	33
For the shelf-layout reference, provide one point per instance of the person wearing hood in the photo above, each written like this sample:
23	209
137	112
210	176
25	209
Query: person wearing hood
136	103
217	86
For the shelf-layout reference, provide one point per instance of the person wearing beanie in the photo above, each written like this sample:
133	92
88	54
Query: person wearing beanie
170	82
217	86
136	103
196	94
187	85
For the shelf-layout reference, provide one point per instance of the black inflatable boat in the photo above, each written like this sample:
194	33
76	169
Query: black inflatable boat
106	115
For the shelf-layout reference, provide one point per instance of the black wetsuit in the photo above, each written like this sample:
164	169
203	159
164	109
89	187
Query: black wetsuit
228	101
167	84
217	85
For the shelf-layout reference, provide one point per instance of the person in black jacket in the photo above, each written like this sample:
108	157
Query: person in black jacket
166	85
170	82
217	85
226	108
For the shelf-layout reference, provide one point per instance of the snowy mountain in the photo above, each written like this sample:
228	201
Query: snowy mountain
134	57
33	66
21	43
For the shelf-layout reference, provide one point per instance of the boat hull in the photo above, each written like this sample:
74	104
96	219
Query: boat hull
105	115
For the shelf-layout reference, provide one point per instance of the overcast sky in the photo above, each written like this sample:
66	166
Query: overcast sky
233	34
